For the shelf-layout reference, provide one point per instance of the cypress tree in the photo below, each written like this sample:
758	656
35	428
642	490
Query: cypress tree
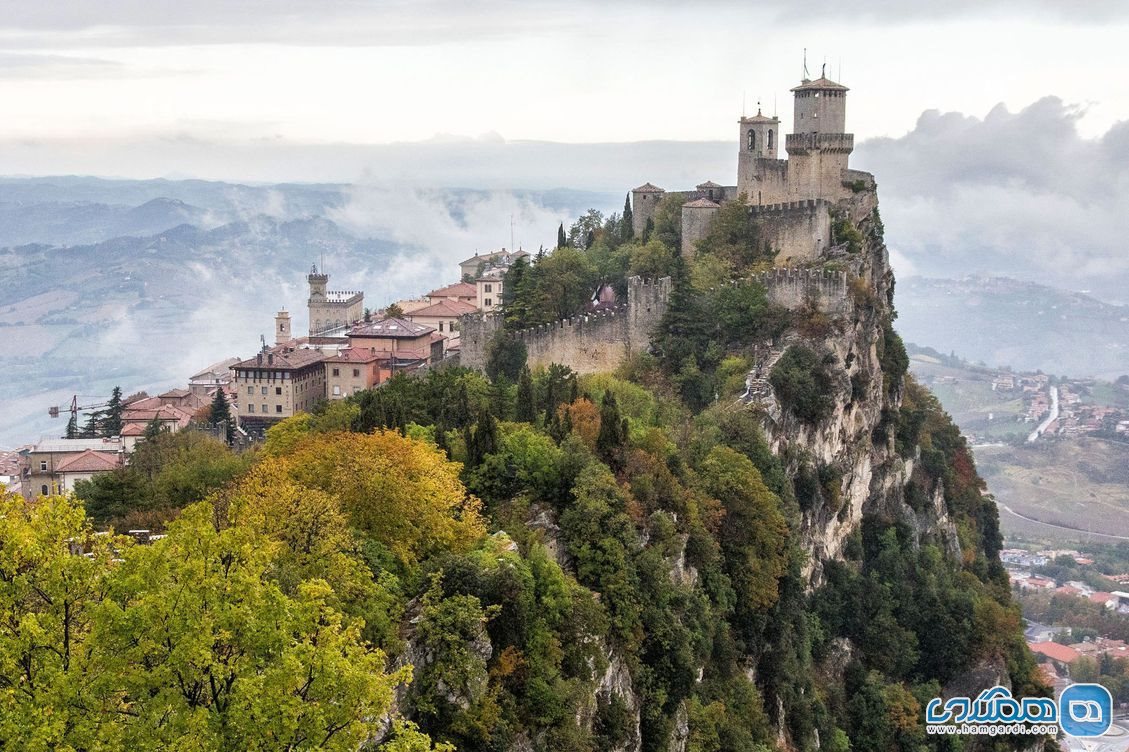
92	429
72	427
648	230
112	420
153	429
562	239
612	430
221	411
483	440
628	220
526	410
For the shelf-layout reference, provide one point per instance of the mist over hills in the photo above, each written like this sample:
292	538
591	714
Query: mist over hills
140	283
102	292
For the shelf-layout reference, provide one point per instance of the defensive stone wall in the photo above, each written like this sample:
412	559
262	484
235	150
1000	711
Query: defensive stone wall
794	288
587	343
796	230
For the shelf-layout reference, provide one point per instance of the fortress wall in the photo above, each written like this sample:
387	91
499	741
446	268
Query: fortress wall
763	181
792	288
696	223
796	230
643	207
587	343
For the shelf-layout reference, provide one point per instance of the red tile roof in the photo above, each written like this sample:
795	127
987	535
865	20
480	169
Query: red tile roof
358	355
444	309
457	290
88	461
284	358
1055	652
391	329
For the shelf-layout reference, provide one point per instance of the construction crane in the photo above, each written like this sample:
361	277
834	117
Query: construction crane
54	410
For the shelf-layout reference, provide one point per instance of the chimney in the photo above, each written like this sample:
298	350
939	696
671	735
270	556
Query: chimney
270	359
259	358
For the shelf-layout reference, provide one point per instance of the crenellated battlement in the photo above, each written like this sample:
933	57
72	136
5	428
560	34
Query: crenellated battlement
804	205
587	342
794	288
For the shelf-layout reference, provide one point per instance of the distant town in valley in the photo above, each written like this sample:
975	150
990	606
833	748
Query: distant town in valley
347	348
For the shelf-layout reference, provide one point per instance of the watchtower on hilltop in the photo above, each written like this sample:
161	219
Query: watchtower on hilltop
331	311
791	198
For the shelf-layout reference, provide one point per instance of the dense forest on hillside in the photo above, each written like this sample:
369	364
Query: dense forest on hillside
514	561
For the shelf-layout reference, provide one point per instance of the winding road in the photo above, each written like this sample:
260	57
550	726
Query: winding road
1009	510
1051	417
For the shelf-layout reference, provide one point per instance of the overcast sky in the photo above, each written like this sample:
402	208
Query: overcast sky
284	72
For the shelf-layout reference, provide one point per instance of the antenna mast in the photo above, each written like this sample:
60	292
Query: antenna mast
806	64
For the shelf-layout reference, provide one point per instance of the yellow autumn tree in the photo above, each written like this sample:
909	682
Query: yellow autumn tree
401	492
316	543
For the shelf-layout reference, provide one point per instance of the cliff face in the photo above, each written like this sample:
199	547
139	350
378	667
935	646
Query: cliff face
851	445
801	570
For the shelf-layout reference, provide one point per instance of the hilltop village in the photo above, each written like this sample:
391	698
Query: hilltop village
667	486
805	208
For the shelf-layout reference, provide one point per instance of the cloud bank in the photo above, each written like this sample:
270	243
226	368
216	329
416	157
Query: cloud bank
1013	193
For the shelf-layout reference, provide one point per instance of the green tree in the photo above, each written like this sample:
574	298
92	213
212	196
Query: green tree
734	236
230	662
394	311
506	358
562	239
516	295
754	533
112	419
628	220
154	428
72	427
48	599
613	431
803	384
526	406
221	413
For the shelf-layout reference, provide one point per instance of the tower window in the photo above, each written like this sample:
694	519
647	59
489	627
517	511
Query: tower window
770	138
752	138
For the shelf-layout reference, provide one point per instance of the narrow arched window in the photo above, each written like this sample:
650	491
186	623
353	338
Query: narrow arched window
769	138
752	139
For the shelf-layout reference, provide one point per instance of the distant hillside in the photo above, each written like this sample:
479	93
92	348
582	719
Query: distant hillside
1002	321
141	283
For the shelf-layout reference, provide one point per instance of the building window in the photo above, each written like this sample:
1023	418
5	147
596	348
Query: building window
770	138
356	373
250	390
336	371
278	408
489	288
440	326
43	465
43	490
336	390
278	390
752	139
265	408
264	389
250	407
489	302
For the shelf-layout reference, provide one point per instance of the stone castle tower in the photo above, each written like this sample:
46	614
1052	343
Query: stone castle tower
331	311
818	148
790	197
282	327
